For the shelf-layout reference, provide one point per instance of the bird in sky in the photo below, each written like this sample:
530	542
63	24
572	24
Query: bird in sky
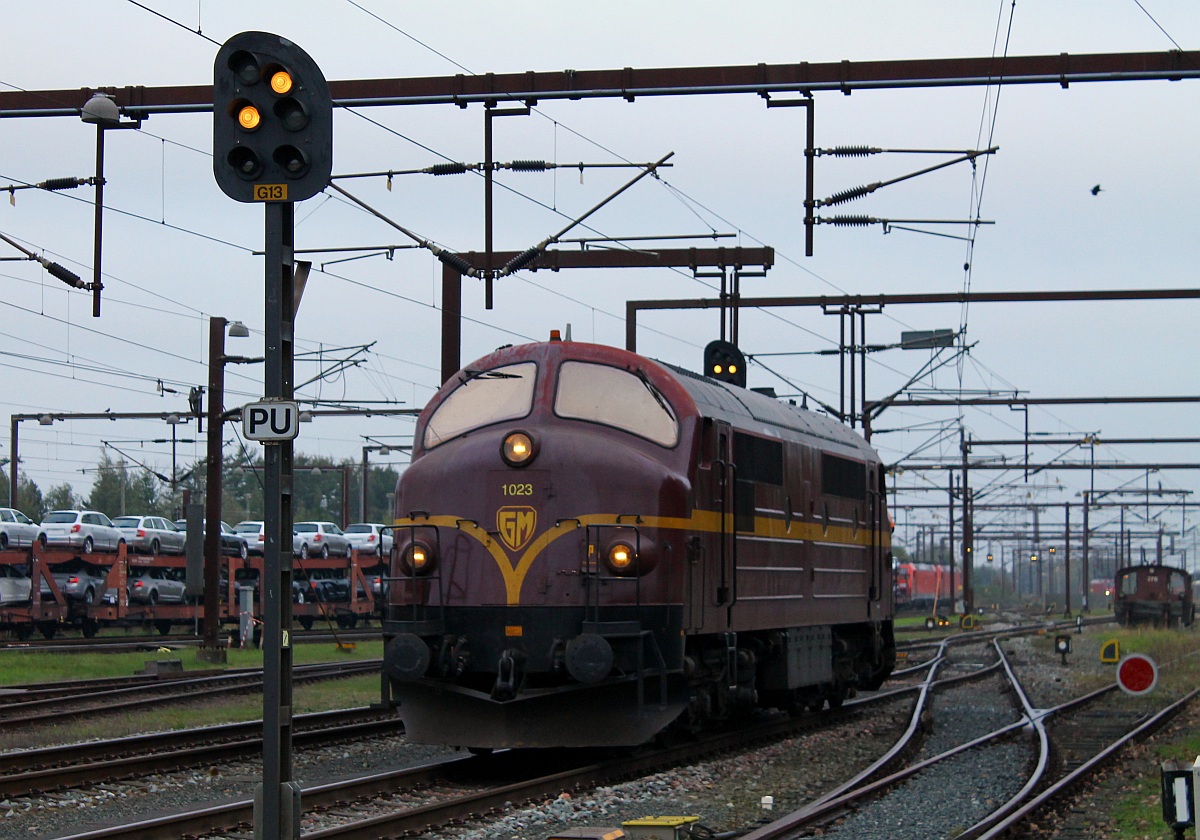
1096	190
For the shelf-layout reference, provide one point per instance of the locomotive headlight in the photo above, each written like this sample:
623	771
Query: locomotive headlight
627	556
518	449
418	558
620	556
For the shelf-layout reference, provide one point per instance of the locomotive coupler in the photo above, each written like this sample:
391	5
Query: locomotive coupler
507	673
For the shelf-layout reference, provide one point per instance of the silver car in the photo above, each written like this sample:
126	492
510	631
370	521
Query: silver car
322	538
14	586
87	530
156	585
151	534
79	580
370	538
17	530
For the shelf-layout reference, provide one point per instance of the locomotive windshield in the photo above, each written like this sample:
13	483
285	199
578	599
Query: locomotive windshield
483	398
617	398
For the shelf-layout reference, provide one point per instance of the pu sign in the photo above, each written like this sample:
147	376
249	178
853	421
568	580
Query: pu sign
271	421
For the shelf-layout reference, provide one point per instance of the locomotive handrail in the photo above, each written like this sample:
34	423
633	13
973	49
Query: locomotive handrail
458	523
578	522
637	518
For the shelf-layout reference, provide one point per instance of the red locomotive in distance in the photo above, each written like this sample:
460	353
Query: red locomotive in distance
1154	594
924	586
591	547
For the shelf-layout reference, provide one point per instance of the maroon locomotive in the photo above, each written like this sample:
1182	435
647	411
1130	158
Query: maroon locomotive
1154	594
591	547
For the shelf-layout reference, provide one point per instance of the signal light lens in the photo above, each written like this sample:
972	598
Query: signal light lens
249	118
247	165
244	66
291	113
517	450
281	82
291	160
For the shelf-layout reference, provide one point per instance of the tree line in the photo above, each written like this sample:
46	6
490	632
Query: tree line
319	485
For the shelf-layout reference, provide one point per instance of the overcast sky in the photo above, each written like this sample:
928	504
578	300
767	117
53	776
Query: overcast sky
177	250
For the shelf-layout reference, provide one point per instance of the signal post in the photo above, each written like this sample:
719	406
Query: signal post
273	144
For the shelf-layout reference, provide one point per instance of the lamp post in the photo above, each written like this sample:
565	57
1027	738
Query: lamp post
101	111
382	449
210	649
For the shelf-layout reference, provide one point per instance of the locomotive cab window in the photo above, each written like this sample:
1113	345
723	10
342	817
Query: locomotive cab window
617	398
483	398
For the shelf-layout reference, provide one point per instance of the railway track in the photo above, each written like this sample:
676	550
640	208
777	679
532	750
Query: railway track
42	705
883	796
29	772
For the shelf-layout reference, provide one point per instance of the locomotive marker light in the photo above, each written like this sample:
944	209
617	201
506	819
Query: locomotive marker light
1137	674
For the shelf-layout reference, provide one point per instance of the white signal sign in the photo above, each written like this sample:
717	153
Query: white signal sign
271	421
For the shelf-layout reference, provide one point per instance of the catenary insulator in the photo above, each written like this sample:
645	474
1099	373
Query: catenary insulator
447	169
849	221
61	184
853	151
528	166
847	195
522	259
456	262
64	274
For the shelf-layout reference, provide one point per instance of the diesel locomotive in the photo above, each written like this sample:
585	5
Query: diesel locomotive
592	548
1154	594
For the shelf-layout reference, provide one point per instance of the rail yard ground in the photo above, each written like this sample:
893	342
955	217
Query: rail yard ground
726	793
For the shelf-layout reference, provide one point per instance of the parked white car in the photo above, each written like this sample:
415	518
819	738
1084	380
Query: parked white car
253	531
370	537
19	531
87	530
323	539
151	534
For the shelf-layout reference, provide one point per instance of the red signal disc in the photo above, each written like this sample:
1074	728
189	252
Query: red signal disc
1137	674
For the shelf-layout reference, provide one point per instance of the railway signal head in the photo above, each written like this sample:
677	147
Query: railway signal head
272	120
724	361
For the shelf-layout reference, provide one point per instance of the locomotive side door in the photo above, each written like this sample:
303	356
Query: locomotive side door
711	551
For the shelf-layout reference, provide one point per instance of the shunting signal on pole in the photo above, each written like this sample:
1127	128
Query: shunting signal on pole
272	120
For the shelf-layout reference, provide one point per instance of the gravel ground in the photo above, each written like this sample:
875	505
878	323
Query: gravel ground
727	795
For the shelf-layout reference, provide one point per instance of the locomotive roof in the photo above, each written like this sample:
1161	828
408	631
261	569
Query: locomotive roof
741	407
728	402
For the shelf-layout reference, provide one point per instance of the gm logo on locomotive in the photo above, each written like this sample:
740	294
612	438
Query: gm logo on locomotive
516	526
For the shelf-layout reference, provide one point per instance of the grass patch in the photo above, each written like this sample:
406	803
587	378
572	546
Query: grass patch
352	692
25	667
